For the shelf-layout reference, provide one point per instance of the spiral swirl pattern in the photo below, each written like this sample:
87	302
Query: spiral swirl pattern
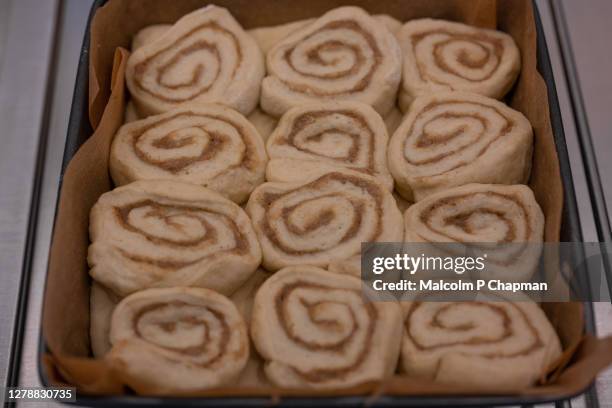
501	344
314	329
504	221
441	56
157	233
204	57
346	55
323	220
209	145
178	339
452	138
314	139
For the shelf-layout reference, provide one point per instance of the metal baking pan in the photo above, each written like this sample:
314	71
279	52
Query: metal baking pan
79	129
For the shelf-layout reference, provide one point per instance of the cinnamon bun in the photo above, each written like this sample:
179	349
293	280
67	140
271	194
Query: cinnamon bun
323	220
316	330
163	234
268	37
149	34
446	56
313	139
454	138
484	344
205	57
173	340
506	221
344	55
205	144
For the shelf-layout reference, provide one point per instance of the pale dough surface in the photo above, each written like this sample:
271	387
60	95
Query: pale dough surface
102	302
323	220
173	340
450	139
253	373
507	219
315	330
441	55
299	71
485	344
205	144
313	139
164	234
205	56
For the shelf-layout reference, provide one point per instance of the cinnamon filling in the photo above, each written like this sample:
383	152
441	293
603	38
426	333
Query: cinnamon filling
461	220
325	374
464	58
217	143
476	341
165	213
426	140
314	56
325	216
185	50
309	118
200	349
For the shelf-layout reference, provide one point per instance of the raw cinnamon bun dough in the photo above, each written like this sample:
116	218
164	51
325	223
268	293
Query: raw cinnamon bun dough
323	220
488	344
315	329
253	373
268	37
441	55
204	57
205	144
177	340
102	302
453	138
344	55
350	266
313	139
149	34
263	122
162	234
506	220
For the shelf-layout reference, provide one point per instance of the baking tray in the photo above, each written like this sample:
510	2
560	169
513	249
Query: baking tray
79	129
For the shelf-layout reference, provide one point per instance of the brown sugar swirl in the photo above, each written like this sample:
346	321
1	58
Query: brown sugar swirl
204	144
346	54
322	220
178	339
204	57
453	138
314	329
487	343
442	56
471	57
196	82
348	60
159	233
503	222
317	138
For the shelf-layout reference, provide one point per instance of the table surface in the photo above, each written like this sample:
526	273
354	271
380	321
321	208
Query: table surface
23	91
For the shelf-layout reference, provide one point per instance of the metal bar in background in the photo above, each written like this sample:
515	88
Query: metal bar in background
27	38
596	192
71	27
